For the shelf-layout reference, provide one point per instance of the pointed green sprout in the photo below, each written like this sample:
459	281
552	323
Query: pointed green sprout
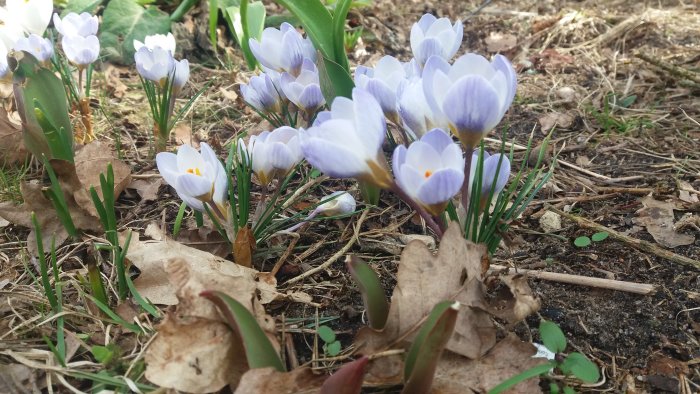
258	350
423	356
372	291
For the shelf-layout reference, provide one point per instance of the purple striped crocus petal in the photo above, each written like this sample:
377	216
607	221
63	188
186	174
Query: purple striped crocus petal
489	179
441	186
311	97
502	64
438	139
332	159
370	124
472	105
384	95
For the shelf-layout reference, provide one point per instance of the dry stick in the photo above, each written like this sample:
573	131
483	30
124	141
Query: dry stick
638	288
639	244
676	71
336	256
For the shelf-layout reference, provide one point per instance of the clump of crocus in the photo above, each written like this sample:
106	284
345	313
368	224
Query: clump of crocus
199	178
273	154
163	78
430	171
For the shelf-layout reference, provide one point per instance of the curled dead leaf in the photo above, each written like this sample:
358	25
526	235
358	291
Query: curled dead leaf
657	217
243	247
12	148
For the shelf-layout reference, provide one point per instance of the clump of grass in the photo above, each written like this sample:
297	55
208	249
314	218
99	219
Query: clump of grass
10	179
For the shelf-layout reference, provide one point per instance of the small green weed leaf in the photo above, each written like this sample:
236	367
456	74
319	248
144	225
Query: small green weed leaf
258	350
326	334
372	291
333	348
569	390
103	354
580	366
627	101
552	336
582	242
346	380
597	237
123	22
315	173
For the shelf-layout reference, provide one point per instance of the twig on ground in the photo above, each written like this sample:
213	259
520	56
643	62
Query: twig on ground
676	71
639	244
630	287
336	256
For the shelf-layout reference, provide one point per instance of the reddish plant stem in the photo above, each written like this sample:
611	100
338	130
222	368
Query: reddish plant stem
468	152
429	220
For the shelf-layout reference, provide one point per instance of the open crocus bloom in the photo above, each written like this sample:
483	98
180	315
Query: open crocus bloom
489	178
431	36
382	82
80	50
273	154
198	178
37	46
166	42
283	49
261	94
430	171
304	90
76	25
32	15
348	143
154	64
472	95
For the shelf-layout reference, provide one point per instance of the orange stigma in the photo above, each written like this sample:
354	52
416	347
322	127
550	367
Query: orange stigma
194	171
428	173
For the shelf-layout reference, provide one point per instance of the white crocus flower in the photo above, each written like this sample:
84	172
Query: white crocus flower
182	73
273	154
80	50
37	46
336	204
154	65
283	49
164	41
73	24
198	178
10	29
431	36
32	15
304	90
383	82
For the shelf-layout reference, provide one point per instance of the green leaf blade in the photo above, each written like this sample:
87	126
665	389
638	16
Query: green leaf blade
123	22
552	336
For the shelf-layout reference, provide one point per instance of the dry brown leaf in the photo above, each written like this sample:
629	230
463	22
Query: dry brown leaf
182	134
559	120
194	355
268	380
243	247
657	217
12	148
686	193
499	42
515	301
114	84
457	375
147	188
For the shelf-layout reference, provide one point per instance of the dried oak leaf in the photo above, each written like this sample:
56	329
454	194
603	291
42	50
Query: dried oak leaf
657	217
147	188
515	301
268	380
12	148
456	374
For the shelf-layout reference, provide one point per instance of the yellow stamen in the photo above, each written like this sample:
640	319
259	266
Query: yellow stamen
194	171
428	173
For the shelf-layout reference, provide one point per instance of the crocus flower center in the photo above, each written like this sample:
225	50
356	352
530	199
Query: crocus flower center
428	173
194	171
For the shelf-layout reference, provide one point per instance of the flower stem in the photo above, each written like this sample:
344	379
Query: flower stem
429	220
468	152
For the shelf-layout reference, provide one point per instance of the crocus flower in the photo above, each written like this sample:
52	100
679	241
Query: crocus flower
37	46
337	203
431	36
305	89
430	171
382	82
181	70
10	29
489	179
154	64
348	143
273	154
80	50
164	41
198	178
33	15
415	113
472	95
74	24
261	94
283	49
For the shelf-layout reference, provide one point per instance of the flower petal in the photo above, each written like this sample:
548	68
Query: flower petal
441	186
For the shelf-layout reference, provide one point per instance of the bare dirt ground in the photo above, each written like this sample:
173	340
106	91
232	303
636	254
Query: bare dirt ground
617	81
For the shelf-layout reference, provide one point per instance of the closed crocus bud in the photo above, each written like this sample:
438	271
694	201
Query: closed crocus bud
348	144
74	24
154	65
37	46
198	178
431	36
430	170
261	94
337	203
273	154
472	95
80	50
164	41
181	73
489	179
305	89
415	113
33	15
283	49
382	82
